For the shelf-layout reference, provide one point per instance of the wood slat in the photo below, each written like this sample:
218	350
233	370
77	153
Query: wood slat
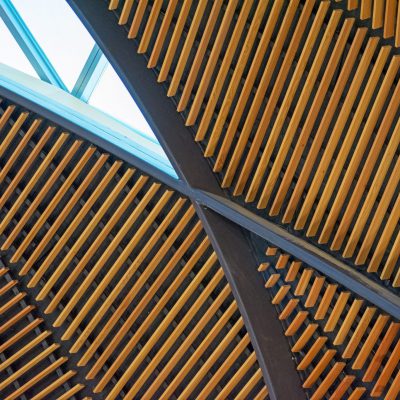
360	336
286	99
29	356
121	262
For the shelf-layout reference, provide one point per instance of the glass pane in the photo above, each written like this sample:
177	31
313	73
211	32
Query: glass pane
111	96
11	54
60	34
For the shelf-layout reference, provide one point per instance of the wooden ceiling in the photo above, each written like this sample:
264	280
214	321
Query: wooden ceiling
30	358
384	14
296	105
118	268
110	287
344	347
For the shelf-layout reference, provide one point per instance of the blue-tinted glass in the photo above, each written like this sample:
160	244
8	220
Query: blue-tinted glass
11	54
60	34
67	45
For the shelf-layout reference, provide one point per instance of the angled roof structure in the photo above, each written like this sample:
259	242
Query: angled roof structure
205	205
60	51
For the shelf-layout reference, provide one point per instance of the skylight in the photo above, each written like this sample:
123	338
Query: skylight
124	109
11	54
59	33
46	40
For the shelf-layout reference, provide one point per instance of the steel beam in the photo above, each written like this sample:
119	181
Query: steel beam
192	167
259	315
166	123
321	260
90	75
227	238
305	251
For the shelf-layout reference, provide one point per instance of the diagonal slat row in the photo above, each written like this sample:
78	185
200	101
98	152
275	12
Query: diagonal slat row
29	367
296	105
122	266
384	14
344	347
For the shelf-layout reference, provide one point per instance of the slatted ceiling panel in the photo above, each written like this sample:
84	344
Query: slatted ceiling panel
296	105
122	282
349	139
368	167
29	364
122	267
227	60
383	241
288	138
319	137
262	48
215	52
236	78
174	40
181	64
77	170
384	14
337	131
397	35
343	346
288	97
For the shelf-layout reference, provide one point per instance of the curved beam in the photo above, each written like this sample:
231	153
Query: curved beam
278	236
227	238
192	167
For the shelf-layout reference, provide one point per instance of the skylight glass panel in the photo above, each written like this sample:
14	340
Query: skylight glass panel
60	33
11	54
62	49
112	97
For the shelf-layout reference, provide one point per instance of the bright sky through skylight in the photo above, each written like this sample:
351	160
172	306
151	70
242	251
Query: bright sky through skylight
61	35
11	54
67	44
122	106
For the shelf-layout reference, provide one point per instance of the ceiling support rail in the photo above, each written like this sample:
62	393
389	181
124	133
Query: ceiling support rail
278	236
191	166
227	238
90	74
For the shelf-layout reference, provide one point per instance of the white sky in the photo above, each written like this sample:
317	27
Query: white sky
59	32
67	45
11	54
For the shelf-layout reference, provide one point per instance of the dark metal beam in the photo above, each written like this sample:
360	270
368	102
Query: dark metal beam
168	126
310	254
192	167
228	240
278	236
259	315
